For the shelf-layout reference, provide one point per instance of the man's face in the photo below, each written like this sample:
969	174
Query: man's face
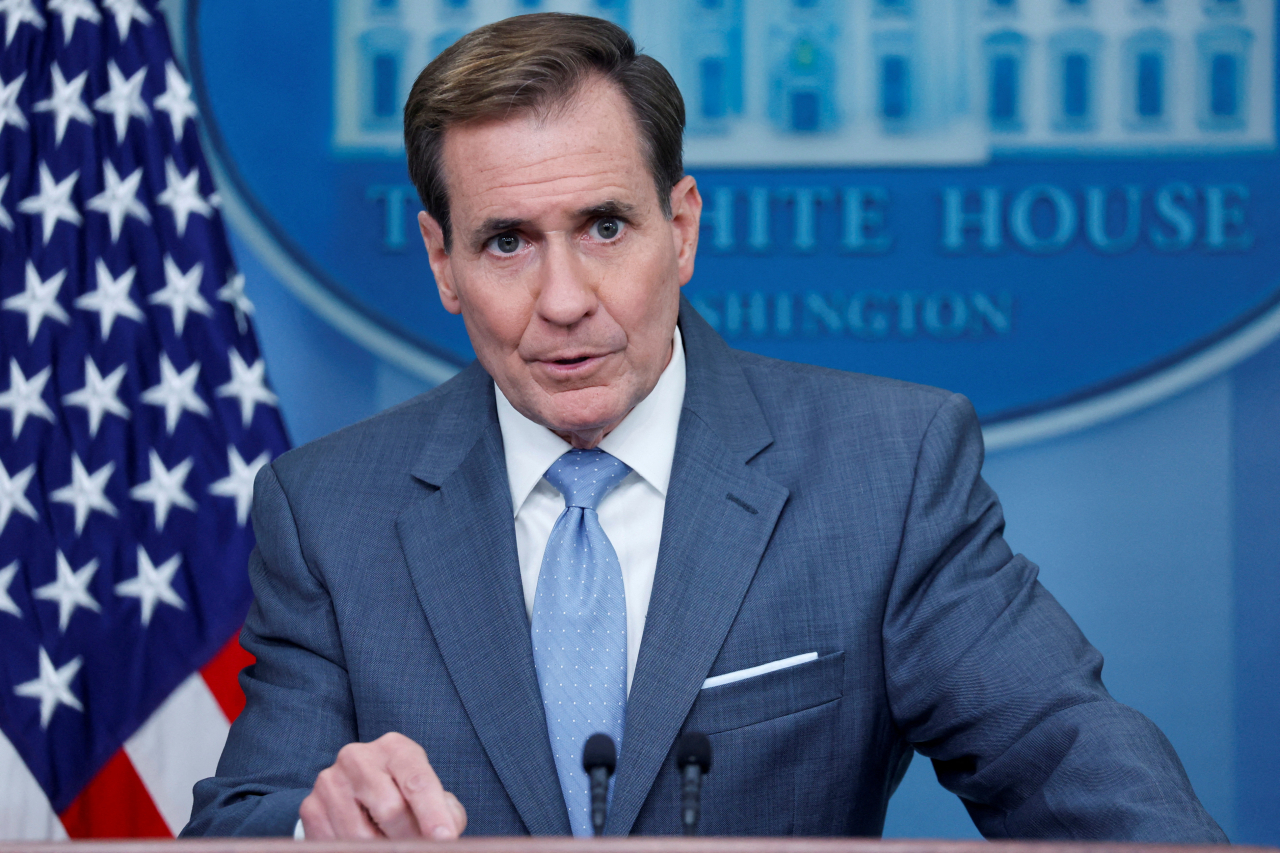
562	264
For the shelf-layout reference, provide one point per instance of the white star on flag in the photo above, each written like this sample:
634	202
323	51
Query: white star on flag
124	99
176	392
126	12
13	493
152	585
39	300
18	12
175	100
7	604
165	488
6	221
111	298
181	292
238	484
119	199
52	687
10	112
86	492
182	195
99	395
72	12
66	103
25	396
248	385
70	590
53	203
232	293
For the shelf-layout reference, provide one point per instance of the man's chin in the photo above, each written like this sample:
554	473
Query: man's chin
582	414
588	431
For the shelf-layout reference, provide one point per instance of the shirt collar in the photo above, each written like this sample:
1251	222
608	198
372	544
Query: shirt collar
645	440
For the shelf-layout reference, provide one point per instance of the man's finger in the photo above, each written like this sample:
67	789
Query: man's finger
390	813
459	812
423	792
378	795
337	803
315	822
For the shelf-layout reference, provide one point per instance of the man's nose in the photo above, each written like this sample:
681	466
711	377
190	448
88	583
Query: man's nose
567	290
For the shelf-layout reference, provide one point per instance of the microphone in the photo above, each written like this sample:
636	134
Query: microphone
693	757
599	758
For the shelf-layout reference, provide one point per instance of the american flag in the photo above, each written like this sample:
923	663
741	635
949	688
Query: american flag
134	413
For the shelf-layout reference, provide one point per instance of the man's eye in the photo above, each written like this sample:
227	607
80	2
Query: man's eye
607	228
506	244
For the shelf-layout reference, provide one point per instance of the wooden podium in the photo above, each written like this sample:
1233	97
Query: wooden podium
609	845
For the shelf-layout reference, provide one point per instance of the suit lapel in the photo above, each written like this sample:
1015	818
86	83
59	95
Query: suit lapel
719	517
460	546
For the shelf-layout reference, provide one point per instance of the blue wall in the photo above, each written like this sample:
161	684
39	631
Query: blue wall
1256	527
1159	531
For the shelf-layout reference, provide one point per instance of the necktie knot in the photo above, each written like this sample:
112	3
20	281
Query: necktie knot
584	477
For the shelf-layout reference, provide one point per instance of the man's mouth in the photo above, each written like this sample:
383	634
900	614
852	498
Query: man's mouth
568	361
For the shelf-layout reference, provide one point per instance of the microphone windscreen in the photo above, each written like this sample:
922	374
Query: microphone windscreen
694	748
599	752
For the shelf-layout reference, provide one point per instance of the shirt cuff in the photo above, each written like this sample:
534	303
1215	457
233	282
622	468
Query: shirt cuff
299	834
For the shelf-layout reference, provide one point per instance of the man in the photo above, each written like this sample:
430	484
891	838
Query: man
614	522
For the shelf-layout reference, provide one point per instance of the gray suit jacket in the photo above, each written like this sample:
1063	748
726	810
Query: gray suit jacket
808	510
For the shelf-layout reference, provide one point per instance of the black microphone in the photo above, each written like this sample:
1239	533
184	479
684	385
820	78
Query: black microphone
693	757
599	758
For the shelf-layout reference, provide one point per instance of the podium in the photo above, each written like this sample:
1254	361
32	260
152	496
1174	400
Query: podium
649	844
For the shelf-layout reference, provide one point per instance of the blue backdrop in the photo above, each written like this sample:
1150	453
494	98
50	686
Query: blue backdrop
978	205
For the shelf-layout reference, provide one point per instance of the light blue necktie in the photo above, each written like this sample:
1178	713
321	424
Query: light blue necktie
580	625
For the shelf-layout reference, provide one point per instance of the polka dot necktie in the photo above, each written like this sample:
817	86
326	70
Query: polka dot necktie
580	625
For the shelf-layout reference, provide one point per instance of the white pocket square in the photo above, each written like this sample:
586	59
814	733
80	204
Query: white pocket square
752	672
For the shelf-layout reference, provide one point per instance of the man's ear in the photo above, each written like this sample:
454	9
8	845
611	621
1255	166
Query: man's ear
686	220
441	263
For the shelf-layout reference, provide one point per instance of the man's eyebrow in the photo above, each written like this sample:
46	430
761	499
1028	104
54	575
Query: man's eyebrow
612	207
493	226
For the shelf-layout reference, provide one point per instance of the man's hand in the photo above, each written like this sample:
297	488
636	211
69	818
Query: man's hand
381	789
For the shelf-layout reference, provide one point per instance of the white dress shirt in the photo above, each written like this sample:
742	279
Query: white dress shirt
631	514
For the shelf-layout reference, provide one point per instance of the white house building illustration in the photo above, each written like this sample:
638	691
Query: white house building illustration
891	82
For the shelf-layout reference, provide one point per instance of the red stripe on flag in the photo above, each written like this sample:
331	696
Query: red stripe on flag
221	674
115	804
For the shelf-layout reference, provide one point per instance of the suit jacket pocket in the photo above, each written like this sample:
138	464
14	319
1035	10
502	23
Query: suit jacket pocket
766	697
